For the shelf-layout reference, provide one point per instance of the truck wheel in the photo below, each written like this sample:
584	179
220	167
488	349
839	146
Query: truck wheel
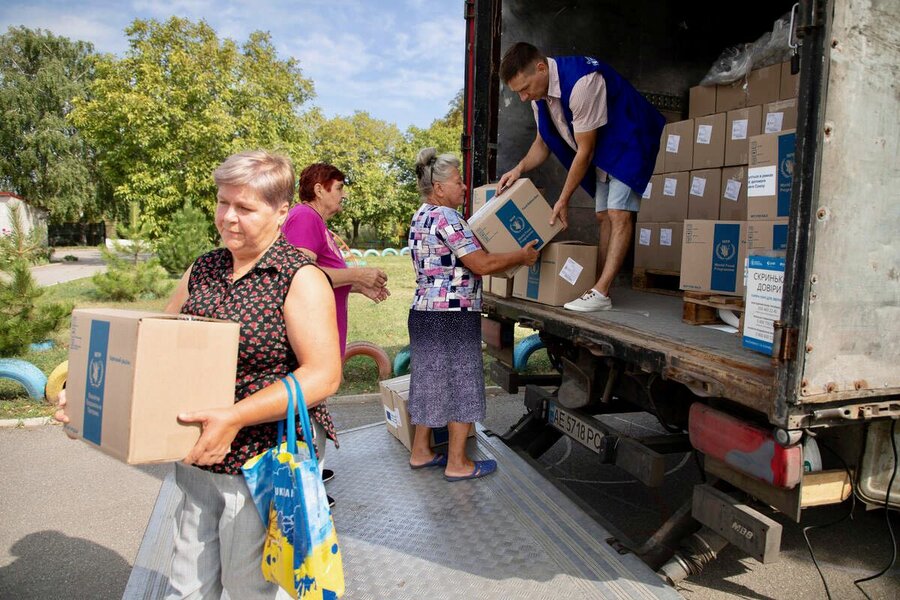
390	252
374	352
22	371
524	350
401	362
56	381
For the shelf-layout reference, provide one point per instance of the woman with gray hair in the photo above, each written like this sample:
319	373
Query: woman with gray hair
446	370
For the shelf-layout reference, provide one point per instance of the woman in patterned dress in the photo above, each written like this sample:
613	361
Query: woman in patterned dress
446	370
285	307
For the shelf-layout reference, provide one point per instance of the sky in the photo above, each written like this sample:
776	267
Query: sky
399	60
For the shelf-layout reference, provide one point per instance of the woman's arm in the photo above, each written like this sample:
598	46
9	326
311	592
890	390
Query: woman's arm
312	332
367	277
482	262
180	295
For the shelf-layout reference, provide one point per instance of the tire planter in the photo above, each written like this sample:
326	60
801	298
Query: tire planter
374	352
41	346
356	252
390	252
401	362
32	379
56	381
524	350
404	251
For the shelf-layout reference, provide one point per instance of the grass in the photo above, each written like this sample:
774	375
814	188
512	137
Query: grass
383	324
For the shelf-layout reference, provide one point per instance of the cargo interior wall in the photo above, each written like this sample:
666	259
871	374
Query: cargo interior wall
663	48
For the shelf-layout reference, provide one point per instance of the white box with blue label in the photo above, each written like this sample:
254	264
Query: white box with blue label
131	373
770	176
713	255
564	271
765	288
514	218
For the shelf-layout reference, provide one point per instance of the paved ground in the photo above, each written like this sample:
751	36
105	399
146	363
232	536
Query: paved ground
59	271
73	519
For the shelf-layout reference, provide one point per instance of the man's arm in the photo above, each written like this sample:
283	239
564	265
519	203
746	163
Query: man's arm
536	155
586	142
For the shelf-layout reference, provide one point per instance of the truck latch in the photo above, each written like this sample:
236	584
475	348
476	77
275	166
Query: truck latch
785	342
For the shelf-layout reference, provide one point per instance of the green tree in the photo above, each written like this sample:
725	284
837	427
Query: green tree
186	238
43	158
178	103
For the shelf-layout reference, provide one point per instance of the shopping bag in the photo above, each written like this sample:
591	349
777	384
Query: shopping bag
301	552
259	473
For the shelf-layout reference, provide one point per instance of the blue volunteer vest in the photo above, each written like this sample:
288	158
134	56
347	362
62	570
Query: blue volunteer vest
627	145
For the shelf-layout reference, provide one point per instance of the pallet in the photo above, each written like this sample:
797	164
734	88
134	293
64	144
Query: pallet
656	281
702	308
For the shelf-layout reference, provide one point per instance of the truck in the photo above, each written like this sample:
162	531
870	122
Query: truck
832	385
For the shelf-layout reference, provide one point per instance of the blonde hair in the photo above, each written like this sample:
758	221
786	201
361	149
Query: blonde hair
431	167
269	175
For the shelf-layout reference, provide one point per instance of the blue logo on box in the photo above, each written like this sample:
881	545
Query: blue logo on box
534	281
95	383
786	147
517	225
779	237
726	238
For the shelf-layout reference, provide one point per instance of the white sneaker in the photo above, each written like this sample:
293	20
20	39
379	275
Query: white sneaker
590	301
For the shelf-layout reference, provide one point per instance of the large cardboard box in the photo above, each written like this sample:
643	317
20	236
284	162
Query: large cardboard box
765	287
657	246
394	396
514	218
564	272
790	84
779	116
770	176
733	198
645	214
764	85
709	141
660	165
701	101
482	195
731	96
704	194
498	286
679	146
713	255
741	125
670	201
131	373
767	235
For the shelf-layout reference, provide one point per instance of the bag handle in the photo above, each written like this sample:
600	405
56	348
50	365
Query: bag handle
289	420
304	422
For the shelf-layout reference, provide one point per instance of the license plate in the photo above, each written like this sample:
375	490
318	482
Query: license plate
575	427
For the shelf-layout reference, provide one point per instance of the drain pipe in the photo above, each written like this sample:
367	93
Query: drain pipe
695	552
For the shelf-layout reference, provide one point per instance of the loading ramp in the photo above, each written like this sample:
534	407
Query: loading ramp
409	534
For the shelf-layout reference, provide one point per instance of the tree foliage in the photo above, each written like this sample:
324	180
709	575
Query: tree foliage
180	101
186	238
43	158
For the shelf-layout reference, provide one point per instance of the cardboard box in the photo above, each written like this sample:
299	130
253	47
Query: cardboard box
770	176
131	373
767	235
790	84
564	272
764	85
482	195
679	146
514	218
779	116
709	141
741	125
660	165
670	201
713	255
499	286
765	287
394	395
702	101
733	195
704	194
731	96
657	246
645	214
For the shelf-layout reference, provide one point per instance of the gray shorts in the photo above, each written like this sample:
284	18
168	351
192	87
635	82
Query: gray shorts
616	195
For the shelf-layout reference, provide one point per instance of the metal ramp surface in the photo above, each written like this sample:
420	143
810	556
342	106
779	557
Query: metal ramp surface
410	534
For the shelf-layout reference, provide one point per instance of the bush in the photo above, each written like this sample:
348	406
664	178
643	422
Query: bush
186	238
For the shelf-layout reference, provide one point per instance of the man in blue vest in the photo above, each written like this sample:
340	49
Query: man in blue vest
603	131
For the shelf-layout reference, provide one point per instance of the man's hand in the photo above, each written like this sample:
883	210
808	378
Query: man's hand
529	254
220	426
560	211
508	179
60	414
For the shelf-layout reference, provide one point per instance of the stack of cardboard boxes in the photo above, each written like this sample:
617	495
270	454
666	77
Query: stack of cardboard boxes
737	197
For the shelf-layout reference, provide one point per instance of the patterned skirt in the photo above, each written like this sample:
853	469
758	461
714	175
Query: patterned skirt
446	369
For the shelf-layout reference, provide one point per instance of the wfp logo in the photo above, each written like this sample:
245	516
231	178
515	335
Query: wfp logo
95	371
786	168
534	270
516	224
725	251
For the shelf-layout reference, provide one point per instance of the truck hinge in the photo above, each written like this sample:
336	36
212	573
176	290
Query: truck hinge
811	15
468	9
785	342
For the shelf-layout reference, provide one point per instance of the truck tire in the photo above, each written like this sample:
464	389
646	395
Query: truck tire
56	381
374	352
32	379
524	350
390	252
401	362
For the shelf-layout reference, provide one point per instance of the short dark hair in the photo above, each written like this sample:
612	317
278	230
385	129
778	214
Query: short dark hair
520	57
317	173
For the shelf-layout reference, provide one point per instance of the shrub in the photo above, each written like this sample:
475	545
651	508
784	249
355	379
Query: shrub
186	238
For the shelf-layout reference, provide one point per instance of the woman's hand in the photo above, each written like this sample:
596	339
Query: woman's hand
60	414
370	277
219	428
375	294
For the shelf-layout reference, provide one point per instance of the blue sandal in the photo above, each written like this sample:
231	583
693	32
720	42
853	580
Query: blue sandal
482	468
439	460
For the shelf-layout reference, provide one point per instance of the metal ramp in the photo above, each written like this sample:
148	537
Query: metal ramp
410	534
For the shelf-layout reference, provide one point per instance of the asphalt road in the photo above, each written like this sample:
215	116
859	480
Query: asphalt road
73	518
59	271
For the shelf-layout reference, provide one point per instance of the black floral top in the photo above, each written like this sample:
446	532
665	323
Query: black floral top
256	301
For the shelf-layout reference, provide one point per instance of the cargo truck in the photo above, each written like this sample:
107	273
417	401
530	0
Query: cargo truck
832	384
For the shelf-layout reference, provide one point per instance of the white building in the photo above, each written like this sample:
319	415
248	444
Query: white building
31	216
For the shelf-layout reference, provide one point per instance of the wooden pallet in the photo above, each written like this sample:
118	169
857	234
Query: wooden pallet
701	308
656	281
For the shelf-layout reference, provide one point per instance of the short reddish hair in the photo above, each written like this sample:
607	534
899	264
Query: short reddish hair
317	173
